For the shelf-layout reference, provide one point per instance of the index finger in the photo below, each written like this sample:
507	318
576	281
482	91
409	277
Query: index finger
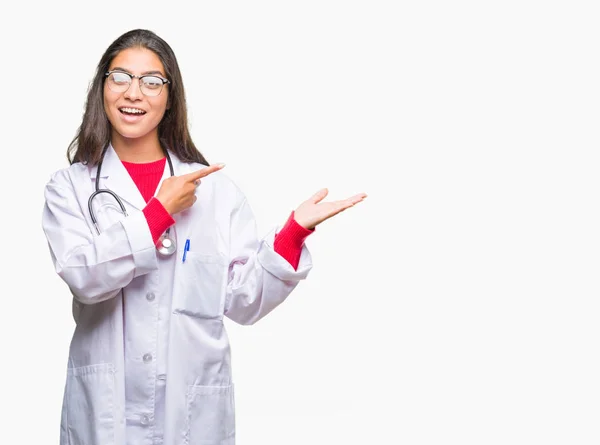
202	172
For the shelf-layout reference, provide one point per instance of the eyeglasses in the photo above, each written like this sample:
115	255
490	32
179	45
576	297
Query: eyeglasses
150	85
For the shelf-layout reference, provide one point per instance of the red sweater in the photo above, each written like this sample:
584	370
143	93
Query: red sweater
288	242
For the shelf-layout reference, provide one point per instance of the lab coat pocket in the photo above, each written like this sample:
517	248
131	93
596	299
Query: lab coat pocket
211	418
201	284
89	398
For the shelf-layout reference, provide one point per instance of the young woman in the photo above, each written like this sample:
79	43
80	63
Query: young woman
157	247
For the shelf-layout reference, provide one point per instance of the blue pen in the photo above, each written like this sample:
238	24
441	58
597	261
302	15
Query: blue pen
185	249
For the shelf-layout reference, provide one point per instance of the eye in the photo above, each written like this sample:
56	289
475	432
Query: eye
120	78
152	82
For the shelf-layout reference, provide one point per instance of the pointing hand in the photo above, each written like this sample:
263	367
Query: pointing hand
178	193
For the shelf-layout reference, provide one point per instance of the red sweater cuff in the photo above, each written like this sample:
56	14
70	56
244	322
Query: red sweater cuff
289	241
158	218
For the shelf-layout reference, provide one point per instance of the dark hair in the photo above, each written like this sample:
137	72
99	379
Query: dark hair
93	135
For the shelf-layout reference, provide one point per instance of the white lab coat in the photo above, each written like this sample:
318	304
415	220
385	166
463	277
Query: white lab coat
228	272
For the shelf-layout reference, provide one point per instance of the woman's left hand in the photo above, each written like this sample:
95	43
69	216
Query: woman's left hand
313	212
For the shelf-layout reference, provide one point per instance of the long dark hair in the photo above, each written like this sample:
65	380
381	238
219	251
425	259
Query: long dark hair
93	135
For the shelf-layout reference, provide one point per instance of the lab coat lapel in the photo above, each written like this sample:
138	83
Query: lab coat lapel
167	171
115	177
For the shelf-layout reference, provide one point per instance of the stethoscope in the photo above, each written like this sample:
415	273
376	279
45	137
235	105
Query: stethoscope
166	245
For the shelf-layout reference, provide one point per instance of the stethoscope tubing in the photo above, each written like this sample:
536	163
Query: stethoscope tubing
98	190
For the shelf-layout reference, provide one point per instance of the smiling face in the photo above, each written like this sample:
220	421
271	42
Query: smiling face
134	117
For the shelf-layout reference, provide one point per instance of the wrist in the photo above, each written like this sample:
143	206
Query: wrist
165	205
299	221
298	225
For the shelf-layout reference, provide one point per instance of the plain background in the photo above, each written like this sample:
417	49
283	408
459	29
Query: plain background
457	305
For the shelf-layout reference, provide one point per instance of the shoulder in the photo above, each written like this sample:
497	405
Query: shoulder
68	176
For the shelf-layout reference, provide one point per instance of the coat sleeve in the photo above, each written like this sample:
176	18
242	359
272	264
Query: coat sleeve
95	267
259	278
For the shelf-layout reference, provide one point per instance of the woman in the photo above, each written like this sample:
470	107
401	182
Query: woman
164	249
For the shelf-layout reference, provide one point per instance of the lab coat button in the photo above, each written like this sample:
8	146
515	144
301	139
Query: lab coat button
162	377
145	420
150	296
147	358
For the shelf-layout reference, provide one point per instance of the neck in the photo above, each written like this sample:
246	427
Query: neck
138	150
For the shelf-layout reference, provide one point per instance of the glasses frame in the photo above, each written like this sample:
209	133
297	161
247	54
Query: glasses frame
139	78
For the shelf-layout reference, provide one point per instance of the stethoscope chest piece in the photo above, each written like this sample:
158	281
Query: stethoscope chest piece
166	245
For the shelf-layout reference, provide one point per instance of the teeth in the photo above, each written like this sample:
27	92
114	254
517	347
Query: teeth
132	110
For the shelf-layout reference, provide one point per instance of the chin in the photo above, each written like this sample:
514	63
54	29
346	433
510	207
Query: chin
129	133
133	131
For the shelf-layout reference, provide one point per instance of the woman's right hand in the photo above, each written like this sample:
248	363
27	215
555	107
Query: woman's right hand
178	193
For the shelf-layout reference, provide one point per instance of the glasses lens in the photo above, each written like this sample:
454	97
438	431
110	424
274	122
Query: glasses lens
119	82
151	85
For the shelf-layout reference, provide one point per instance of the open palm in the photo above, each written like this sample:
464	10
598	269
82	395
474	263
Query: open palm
313	212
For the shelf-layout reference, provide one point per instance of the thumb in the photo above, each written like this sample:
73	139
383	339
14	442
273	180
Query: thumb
319	196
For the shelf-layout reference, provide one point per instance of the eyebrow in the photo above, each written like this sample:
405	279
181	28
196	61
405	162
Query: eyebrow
118	68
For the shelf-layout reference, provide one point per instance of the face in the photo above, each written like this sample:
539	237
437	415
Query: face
132	114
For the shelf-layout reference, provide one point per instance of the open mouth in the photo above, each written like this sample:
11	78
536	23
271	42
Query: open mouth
132	111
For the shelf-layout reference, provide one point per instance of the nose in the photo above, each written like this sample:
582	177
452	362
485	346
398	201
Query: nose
134	92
